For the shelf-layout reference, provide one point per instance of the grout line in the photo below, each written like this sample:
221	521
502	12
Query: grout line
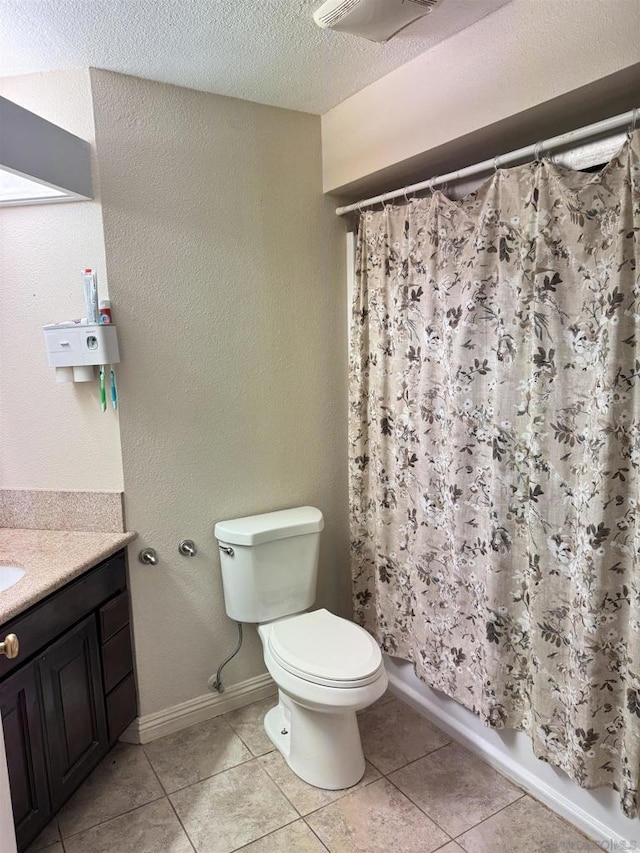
258	764
198	781
460	834
258	722
485	819
311	829
264	770
108	819
260	837
246	745
347	792
415	760
184	828
446	843
546	808
254	758
412	761
426	814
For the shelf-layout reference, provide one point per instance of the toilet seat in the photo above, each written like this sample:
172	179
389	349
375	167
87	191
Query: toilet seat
325	649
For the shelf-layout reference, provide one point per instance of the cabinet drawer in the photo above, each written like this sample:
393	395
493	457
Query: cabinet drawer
114	615
117	658
39	626
122	707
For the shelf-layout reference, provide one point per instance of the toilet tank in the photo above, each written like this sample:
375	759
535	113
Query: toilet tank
270	563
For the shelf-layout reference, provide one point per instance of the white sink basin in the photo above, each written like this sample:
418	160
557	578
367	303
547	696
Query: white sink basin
9	575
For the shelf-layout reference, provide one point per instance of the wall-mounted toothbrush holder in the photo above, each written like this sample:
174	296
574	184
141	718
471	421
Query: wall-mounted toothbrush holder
75	348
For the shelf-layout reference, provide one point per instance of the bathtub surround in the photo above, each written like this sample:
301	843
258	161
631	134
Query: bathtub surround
495	455
48	510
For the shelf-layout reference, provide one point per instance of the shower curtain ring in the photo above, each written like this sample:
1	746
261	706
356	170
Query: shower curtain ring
496	163
632	126
537	151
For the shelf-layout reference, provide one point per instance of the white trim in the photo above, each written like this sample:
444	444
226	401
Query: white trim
174	719
467	729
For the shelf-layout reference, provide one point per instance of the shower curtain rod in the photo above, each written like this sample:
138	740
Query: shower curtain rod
602	128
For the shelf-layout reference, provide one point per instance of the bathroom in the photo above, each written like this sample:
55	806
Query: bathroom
213	230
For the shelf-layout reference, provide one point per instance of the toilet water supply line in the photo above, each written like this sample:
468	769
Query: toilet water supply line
215	682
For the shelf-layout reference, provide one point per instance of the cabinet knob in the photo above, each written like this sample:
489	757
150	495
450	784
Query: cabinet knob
10	647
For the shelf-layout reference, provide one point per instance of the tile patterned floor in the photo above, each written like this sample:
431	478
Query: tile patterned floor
219	787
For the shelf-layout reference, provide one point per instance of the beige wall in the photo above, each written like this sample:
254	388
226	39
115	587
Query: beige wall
225	267
524	55
51	436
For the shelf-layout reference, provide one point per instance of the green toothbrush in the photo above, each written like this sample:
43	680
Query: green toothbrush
103	391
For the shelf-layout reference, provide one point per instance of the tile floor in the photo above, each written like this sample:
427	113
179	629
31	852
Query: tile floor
220	786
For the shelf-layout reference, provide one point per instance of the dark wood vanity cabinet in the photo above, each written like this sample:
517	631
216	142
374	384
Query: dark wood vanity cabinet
69	694
75	719
24	740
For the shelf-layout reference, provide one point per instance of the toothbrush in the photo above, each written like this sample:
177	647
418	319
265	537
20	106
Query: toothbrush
114	390
103	393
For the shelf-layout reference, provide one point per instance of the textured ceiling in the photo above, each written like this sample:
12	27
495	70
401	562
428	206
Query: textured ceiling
268	51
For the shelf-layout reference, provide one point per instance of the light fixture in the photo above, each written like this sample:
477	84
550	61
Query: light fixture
376	20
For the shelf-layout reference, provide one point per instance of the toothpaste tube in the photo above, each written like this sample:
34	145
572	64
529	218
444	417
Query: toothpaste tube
90	284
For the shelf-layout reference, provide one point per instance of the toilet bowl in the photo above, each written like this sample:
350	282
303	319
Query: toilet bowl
325	667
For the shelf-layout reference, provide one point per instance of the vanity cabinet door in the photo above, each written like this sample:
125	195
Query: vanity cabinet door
24	744
74	712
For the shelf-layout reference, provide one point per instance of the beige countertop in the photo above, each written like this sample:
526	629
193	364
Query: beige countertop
50	558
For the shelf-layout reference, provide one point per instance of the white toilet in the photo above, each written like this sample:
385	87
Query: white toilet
326	668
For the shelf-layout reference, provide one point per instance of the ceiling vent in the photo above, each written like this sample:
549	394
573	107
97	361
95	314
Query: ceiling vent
376	20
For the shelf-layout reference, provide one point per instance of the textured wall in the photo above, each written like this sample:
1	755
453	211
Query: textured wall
51	436
525	54
225	269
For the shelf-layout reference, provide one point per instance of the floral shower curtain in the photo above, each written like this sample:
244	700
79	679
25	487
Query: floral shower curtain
495	454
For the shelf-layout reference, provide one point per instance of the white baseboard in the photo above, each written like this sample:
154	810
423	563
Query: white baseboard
166	722
598	815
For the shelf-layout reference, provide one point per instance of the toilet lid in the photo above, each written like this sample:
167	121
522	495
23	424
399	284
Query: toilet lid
324	648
